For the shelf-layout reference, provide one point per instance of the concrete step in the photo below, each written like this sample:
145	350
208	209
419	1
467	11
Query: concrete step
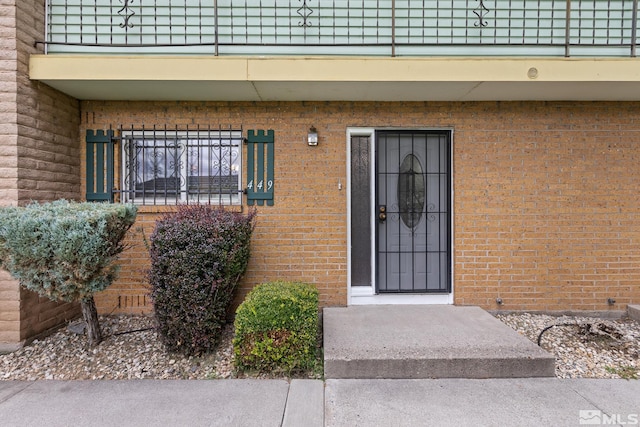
426	341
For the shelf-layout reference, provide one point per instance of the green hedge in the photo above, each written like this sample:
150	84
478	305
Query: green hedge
276	328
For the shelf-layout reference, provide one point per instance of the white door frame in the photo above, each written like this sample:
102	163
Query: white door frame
363	295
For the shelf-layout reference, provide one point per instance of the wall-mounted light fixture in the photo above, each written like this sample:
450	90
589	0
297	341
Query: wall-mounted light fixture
312	136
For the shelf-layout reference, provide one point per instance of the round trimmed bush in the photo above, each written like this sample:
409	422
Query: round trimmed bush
276	328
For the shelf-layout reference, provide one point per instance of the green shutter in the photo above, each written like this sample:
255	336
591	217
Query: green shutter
100	148
260	154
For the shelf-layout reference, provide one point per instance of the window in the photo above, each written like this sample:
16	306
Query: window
164	167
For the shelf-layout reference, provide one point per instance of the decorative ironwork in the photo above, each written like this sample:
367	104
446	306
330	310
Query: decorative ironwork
169	167
407	28
393	212
431	212
305	12
126	12
481	11
412	250
157	168
411	191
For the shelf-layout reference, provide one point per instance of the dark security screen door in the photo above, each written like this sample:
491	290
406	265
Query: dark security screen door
413	187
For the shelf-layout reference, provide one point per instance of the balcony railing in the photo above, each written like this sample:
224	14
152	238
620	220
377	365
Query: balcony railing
344	27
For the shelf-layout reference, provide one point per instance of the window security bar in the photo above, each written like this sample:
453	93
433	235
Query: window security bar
162	166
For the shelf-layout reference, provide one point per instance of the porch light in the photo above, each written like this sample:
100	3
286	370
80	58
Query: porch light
312	136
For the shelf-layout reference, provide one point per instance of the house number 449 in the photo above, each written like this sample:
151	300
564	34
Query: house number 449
260	185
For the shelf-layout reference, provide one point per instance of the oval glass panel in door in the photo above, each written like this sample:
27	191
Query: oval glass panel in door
411	191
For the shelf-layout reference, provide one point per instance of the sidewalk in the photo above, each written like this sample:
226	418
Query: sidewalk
492	402
338	402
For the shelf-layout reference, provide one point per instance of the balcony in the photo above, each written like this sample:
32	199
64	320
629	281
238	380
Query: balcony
376	50
347	27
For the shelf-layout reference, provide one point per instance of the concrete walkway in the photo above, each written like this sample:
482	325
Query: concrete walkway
309	403
491	402
426	341
161	403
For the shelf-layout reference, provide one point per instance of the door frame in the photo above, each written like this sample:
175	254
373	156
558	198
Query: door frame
366	295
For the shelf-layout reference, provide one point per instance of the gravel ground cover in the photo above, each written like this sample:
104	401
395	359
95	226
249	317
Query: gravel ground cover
65	355
587	348
584	347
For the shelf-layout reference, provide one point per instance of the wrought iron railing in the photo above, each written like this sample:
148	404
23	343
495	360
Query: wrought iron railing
348	27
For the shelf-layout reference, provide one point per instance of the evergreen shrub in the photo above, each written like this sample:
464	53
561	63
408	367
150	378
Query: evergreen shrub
65	250
276	328
198	255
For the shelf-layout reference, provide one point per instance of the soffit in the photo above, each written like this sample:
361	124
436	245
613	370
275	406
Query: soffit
206	78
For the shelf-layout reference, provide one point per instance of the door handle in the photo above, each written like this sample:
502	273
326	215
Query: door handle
382	213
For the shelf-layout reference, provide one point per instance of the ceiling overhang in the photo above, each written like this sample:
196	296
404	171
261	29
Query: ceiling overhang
207	78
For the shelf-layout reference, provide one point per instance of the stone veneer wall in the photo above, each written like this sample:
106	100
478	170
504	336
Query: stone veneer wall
9	291
39	157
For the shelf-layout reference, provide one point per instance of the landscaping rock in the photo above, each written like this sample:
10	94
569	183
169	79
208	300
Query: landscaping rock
65	355
584	347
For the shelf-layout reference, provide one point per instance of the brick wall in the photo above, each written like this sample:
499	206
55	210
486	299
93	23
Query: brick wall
546	206
545	197
39	156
